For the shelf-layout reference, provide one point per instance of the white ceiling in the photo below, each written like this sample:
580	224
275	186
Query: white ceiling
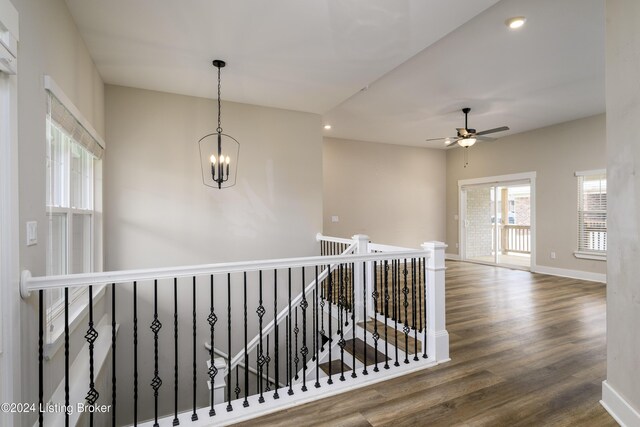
301	55
422	60
549	71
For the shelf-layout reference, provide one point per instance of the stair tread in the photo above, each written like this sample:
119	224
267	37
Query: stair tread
335	367
359	353
390	331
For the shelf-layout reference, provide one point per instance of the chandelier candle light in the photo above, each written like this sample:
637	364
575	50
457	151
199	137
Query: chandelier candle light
219	152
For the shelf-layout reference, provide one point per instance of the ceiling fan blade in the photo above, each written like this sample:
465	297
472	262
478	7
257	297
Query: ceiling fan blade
452	143
486	132
462	131
485	138
444	137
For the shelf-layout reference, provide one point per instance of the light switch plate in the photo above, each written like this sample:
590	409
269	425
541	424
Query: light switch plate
32	233
335	218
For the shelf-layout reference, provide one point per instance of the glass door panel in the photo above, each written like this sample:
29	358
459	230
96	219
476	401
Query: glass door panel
479	224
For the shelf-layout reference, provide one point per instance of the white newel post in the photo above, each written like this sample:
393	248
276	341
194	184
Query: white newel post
362	248
437	335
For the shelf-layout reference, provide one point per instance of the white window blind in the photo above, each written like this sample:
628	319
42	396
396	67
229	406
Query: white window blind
592	212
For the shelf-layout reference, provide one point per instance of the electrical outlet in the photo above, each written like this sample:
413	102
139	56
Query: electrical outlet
335	218
552	255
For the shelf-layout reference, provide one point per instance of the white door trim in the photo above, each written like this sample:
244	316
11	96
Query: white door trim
498	179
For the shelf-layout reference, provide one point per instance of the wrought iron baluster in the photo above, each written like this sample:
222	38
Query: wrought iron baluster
296	359
396	296
91	337
135	353
386	314
276	366
424	285
289	360
237	390
261	359
420	292
364	306
405	328
341	341
353	328
376	335
304	350
155	327
266	361
194	415
414	311
213	370
229	406
40	357
316	347
66	356
176	421
330	287
113	352
246	353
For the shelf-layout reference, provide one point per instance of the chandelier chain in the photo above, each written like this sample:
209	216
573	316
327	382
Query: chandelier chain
219	130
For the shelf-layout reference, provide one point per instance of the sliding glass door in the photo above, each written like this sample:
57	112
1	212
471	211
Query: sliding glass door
496	223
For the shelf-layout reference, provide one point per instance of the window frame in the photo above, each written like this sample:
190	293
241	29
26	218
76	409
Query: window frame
582	253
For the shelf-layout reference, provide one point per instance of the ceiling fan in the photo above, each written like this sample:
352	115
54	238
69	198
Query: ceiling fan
466	137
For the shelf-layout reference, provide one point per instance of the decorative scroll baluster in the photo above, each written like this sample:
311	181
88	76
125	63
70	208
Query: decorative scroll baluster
414	310
176	421
237	390
113	352
324	289
296	359
386	314
330	287
275	340
316	346
91	336
376	335
261	359
213	371
266	361
155	327
289	360
364	304
405	328
424	285
304	350
135	353
246	353
194	415
396	279
229	406
40	357
66	355
341	300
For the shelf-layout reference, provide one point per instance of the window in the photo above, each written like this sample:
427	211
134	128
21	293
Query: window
592	214
73	153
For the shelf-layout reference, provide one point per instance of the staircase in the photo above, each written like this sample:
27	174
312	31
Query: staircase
275	333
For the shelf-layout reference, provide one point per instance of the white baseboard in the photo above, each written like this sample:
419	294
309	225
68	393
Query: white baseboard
618	408
573	274
453	257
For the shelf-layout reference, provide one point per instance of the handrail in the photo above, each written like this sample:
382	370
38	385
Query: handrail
321	236
386	248
29	283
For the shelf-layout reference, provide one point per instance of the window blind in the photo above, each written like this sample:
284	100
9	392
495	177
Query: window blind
592	213
70	124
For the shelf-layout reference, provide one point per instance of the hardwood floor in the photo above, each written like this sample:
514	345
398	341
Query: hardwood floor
526	349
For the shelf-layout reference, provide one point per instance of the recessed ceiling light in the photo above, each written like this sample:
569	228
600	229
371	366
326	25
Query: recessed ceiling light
516	22
327	127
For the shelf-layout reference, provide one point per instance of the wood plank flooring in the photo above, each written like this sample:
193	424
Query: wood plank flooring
527	350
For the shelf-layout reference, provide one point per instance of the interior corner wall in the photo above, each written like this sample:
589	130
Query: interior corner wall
623	188
555	153
392	193
50	44
158	213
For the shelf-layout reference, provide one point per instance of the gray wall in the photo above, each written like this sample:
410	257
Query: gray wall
623	158
158	214
555	153
49	44
392	193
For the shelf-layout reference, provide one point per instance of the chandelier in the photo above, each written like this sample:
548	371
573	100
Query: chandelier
218	151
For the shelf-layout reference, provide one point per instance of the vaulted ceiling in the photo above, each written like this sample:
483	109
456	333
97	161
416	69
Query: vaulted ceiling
422	60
